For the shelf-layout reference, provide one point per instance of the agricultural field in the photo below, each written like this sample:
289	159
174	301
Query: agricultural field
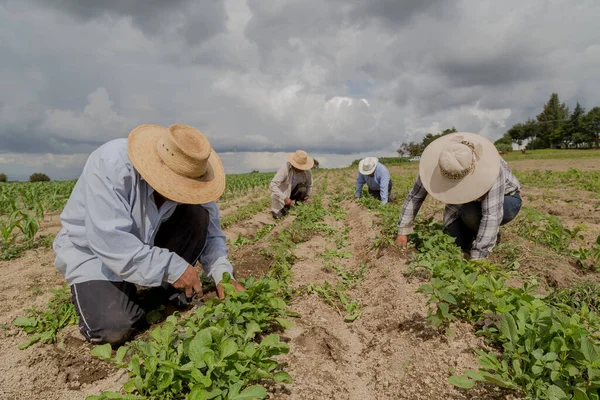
333	309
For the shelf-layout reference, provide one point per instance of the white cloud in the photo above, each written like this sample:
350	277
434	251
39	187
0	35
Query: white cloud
97	122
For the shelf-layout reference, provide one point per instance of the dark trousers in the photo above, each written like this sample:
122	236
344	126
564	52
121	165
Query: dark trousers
110	312
377	193
465	228
299	193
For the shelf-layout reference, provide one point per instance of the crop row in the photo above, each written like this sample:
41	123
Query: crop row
544	346
225	347
584	180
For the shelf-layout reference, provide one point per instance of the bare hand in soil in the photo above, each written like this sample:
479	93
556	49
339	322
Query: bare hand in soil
221	293
189	282
288	201
402	241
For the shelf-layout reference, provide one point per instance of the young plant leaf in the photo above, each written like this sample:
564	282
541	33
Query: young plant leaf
103	352
282	377
461	381
251	393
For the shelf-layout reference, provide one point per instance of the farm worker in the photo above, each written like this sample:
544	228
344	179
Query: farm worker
142	213
377	178
292	182
465	171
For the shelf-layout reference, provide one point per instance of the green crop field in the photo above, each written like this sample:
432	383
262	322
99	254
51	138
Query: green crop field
332	307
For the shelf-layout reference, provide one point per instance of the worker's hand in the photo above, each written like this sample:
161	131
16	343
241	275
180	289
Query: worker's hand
189	283
221	292
402	240
288	201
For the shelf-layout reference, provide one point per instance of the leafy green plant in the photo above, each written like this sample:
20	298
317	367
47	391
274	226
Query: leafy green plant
244	212
579	295
549	351
546	230
588	259
44	325
335	295
214	354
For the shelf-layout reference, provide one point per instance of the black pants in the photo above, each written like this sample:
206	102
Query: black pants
299	193
377	193
110	312
466	228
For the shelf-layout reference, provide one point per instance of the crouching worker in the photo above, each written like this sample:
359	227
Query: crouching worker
377	178
465	171
142	213
291	183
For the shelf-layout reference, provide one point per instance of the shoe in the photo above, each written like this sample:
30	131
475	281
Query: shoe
276	215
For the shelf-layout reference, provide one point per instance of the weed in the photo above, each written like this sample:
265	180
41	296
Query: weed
44	325
546	230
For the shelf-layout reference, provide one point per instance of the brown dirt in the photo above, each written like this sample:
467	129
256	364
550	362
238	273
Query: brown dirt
63	371
390	352
584	164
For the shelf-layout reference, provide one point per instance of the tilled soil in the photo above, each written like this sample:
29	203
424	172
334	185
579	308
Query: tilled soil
389	352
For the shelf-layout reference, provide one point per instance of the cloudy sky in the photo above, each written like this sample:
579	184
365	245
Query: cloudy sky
340	79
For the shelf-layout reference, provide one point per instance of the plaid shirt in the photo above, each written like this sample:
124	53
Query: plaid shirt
492	210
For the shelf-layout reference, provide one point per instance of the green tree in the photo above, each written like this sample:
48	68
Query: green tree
503	147
410	149
504	140
3	178
415	149
39	177
591	127
573	129
551	120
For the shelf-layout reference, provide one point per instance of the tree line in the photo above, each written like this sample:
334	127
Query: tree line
411	149
555	127
35	177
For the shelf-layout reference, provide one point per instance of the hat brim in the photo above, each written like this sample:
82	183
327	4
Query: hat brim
310	162
367	171
141	146
471	187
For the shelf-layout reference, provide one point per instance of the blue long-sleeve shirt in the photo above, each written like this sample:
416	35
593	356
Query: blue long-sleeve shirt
111	220
379	181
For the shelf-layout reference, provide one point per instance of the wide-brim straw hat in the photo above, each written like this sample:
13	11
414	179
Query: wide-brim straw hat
301	160
367	165
178	162
459	167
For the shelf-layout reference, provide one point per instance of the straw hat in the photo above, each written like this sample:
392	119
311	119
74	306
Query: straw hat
300	160
177	162
459	167
367	166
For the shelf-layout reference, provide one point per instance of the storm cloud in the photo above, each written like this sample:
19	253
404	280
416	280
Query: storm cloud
340	79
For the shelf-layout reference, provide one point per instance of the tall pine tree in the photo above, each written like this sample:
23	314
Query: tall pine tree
573	133
551	120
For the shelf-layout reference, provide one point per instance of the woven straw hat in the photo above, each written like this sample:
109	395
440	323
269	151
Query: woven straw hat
177	162
367	166
301	160
459	167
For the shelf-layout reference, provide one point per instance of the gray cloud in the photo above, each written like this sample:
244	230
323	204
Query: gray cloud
195	21
331	77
